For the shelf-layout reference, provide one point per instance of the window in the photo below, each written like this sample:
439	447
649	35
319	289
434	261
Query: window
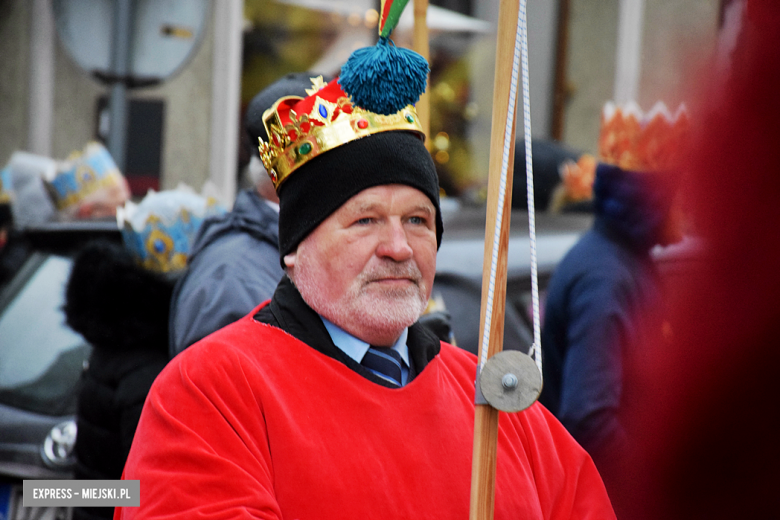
41	359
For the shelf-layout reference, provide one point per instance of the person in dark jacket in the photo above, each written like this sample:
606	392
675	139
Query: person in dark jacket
233	267
118	298
597	296
234	263
121	309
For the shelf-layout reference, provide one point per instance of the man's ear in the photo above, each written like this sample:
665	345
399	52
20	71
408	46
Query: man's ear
289	260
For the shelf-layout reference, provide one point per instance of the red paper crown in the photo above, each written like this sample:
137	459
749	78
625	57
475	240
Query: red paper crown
300	129
637	141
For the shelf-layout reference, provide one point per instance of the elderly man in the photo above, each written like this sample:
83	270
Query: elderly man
330	401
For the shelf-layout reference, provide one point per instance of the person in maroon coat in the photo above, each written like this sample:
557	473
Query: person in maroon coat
705	408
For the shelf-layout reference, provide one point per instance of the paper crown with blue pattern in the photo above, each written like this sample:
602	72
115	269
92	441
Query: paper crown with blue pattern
160	230
6	187
82	175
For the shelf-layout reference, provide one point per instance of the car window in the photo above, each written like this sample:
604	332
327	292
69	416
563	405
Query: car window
41	358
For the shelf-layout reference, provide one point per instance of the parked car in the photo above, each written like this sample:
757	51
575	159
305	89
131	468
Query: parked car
41	360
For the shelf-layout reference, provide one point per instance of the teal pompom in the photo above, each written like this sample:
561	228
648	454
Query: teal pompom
384	78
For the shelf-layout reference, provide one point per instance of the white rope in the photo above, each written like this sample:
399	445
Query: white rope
536	349
501	197
521	51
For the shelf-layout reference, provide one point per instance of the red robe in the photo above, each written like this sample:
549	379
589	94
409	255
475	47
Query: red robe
253	423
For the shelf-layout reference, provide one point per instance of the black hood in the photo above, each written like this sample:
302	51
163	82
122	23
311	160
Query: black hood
115	303
634	205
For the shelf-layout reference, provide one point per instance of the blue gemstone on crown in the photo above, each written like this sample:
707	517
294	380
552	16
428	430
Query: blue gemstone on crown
323	111
159	246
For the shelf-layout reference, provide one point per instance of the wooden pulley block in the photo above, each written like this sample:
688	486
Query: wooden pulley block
510	381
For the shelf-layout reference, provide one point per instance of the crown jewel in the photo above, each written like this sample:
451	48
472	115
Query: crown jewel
639	141
300	129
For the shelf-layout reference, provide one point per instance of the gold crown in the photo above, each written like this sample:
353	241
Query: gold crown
637	141
327	120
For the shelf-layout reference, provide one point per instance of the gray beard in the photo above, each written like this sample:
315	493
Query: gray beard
387	312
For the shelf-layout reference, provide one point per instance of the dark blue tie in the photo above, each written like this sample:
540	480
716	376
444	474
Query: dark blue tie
385	363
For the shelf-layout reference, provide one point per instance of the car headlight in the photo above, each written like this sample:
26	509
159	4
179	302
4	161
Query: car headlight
57	449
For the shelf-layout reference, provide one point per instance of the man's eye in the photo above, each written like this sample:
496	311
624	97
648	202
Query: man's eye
417	220
363	221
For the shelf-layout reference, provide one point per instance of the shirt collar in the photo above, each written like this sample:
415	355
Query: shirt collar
356	348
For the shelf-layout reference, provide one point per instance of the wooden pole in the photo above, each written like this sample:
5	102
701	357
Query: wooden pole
420	44
483	471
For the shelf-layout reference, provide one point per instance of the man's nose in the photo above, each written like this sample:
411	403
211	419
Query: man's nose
393	243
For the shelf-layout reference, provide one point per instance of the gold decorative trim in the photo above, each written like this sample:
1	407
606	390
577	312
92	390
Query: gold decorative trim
281	155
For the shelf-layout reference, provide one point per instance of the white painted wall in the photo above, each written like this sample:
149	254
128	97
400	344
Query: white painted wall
41	100
226	96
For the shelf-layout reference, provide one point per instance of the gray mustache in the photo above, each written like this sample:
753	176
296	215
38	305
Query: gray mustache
394	270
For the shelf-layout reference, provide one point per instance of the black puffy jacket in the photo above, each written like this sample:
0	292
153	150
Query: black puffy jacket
121	309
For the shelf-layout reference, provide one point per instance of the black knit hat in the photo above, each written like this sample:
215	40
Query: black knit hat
322	185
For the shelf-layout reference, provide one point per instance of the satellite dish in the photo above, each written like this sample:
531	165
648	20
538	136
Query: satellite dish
164	34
